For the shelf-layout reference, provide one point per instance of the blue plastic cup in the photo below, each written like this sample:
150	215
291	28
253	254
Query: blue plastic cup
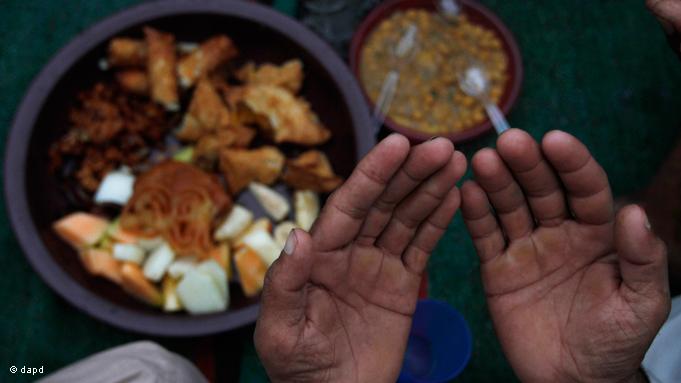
440	344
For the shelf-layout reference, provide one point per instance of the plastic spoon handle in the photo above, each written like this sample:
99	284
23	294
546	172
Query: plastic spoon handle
385	98
497	118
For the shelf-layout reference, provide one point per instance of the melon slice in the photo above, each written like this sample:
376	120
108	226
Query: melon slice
251	270
116	188
263	244
218	274
99	262
260	224
158	261
238	219
274	203
128	252
222	254
171	302
181	266
80	229
281	233
199	293
136	284
306	206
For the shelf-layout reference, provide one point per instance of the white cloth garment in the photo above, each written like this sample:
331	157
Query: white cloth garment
139	362
662	362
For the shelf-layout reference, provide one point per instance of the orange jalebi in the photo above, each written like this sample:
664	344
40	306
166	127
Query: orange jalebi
178	202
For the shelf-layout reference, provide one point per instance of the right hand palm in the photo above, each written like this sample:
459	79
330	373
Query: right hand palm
574	295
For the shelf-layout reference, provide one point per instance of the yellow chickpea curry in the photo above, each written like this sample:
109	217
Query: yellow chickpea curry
428	97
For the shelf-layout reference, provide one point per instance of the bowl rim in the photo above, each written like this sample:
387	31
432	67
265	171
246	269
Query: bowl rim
384	10
32	104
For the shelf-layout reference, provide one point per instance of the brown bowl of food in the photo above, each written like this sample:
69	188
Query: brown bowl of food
156	162
428	101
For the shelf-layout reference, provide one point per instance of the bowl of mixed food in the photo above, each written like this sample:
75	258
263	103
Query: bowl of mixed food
159	161
428	101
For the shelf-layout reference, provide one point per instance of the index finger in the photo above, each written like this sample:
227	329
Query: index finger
342	216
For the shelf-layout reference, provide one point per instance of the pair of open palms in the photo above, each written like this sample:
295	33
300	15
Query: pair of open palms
575	293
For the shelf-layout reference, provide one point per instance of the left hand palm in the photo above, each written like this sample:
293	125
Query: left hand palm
339	307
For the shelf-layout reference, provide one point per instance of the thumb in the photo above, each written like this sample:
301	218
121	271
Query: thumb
284	294
642	255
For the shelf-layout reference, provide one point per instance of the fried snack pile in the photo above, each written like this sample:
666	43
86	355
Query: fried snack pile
109	129
178	202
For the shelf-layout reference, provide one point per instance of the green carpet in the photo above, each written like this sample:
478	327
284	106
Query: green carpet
599	69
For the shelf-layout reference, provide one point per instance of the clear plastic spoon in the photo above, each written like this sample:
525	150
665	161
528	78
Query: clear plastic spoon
475	84
403	51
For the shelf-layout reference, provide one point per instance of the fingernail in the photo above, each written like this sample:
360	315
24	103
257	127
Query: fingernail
432	138
291	243
646	222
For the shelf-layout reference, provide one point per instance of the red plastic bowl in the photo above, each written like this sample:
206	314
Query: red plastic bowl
478	14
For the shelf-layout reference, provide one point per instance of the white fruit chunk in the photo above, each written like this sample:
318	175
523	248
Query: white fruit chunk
236	222
200	294
181	266
274	203
116	187
128	252
219	275
306	203
171	302
150	244
263	244
157	263
282	231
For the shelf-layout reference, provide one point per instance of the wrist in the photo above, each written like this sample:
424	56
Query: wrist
639	377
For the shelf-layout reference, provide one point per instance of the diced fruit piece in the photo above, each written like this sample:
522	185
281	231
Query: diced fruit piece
199	293
184	155
251	270
128	252
150	244
171	302
221	254
81	229
282	231
181	266
306	205
274	203
216	271
237	221
100	262
116	187
263	244
158	261
260	224
117	233
135	283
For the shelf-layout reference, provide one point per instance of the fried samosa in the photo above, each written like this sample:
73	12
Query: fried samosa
161	68
126	52
212	53
241	167
207	113
311	171
282	116
288	75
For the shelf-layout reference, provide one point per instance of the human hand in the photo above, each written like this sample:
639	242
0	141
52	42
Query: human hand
575	294
338	304
668	12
